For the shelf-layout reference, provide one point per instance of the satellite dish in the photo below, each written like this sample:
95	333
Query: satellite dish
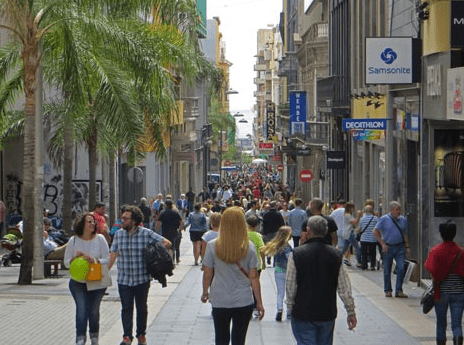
135	175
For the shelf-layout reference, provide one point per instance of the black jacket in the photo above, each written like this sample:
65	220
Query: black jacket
317	268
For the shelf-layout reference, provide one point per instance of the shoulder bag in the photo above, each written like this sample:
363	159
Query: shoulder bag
427	301
358	235
98	277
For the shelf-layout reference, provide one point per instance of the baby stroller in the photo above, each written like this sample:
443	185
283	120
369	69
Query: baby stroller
12	242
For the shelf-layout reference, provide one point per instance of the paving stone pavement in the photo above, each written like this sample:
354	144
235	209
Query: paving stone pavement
43	313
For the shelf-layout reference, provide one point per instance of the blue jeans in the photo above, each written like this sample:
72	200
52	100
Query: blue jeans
398	253
240	318
352	240
455	301
311	333
87	308
280	283
129	294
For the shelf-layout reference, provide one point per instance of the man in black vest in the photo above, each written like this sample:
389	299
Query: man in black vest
314	275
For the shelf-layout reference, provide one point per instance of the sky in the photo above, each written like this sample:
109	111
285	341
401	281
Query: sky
240	22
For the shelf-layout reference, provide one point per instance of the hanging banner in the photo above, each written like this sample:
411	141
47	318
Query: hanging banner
270	114
367	135
297	112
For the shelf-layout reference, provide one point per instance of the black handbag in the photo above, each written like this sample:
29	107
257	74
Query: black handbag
427	301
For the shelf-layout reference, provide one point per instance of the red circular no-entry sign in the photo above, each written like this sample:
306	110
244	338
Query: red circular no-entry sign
280	167
306	175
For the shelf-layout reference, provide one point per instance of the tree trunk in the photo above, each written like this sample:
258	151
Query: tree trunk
30	56
114	213
67	177
93	168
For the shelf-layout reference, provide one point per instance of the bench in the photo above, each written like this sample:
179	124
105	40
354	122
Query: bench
48	267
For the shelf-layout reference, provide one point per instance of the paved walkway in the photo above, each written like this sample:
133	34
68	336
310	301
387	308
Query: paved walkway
43	313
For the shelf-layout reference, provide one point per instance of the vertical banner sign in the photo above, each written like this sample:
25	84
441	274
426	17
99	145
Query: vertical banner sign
457	24
270	113
297	112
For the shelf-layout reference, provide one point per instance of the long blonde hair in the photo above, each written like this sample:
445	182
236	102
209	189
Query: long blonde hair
232	243
279	242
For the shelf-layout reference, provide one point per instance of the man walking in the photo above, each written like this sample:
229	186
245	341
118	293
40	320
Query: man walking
133	279
272	221
314	274
296	218
391	232
172	222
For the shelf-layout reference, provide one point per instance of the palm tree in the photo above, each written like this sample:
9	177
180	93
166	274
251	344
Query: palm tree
85	86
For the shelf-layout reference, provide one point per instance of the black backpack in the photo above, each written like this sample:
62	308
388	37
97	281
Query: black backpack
159	262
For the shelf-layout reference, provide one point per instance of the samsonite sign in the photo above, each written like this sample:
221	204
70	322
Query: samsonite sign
391	60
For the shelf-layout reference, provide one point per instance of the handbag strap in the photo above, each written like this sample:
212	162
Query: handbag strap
398	227
242	269
455	262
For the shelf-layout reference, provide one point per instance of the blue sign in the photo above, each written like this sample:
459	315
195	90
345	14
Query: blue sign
377	124
297	112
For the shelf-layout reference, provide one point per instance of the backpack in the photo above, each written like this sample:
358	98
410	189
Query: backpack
159	262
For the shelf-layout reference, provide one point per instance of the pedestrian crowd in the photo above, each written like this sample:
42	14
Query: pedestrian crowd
239	228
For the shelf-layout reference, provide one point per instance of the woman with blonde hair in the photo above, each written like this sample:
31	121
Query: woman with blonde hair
280	249
230	278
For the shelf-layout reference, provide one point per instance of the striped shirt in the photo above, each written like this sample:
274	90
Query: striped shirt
454	283
130	249
343	287
368	235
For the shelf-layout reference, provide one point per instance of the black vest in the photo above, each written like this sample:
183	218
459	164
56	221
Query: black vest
317	267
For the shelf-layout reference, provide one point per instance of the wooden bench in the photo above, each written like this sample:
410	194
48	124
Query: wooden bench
48	267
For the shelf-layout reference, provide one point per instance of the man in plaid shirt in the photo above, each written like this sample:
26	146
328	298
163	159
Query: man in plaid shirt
314	275
128	247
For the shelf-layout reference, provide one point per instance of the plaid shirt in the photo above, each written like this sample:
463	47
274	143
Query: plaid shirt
343	288
130	249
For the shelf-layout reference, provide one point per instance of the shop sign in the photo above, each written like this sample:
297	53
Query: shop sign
390	60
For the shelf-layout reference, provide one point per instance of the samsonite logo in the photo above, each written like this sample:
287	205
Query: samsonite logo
388	56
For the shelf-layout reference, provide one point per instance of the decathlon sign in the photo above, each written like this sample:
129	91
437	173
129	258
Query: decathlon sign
391	60
377	124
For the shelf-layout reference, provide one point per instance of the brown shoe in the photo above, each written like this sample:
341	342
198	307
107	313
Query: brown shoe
388	294
401	294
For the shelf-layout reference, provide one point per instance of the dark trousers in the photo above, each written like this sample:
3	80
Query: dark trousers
296	241
368	253
240	318
129	294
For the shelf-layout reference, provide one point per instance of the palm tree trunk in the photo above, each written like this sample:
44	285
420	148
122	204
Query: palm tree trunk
93	167
67	177
112	188
30	56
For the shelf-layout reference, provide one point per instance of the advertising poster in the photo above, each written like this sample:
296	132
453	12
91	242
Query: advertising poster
449	173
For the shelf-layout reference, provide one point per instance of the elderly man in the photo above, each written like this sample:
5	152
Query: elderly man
391	232
314	276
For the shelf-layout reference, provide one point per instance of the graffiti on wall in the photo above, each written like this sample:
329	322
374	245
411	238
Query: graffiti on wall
53	195
13	194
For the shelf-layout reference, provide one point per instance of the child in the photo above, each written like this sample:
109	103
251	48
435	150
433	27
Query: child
280	249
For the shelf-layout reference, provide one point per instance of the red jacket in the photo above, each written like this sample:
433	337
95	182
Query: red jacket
439	262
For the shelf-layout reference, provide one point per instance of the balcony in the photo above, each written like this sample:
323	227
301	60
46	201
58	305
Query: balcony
258	81
260	67
318	32
268	96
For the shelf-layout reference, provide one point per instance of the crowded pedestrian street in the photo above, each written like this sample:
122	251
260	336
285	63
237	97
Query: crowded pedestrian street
43	313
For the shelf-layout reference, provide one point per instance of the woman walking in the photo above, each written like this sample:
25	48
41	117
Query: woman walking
280	249
349	223
230	278
92	247
446	265
198	226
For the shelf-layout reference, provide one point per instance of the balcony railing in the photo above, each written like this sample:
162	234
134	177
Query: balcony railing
318	32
